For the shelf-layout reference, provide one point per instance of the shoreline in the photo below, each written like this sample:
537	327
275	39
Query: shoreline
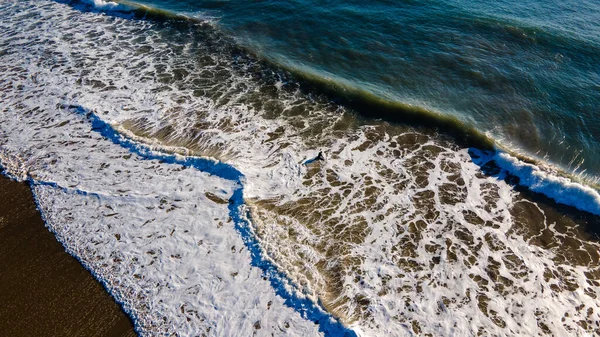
45	291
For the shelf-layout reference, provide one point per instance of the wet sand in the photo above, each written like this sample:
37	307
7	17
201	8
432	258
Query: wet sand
43	290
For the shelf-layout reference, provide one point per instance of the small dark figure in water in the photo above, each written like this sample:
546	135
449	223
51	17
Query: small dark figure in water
320	156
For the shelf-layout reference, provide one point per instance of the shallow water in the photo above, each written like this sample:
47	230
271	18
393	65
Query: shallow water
407	227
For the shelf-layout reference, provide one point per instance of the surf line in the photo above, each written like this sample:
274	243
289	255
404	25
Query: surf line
309	310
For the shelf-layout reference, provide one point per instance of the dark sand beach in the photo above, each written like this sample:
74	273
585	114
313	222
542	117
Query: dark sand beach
43	290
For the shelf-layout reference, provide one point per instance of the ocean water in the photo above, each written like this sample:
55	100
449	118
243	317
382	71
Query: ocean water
524	73
171	146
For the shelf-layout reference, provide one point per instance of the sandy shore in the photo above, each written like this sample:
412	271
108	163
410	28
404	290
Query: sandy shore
43	290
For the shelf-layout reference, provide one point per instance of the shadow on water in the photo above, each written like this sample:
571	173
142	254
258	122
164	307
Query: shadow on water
241	217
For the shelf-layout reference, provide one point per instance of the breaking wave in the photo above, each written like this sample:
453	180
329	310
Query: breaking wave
411	224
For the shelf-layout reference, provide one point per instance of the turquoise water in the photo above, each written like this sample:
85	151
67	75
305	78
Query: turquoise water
526	73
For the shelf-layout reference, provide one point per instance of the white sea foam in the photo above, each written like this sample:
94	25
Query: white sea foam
146	229
107	5
547	182
434	246
445	297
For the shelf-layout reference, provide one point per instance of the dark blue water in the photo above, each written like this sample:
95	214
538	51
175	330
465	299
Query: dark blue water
526	73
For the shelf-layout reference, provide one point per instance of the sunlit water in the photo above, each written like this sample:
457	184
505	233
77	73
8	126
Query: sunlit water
414	222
